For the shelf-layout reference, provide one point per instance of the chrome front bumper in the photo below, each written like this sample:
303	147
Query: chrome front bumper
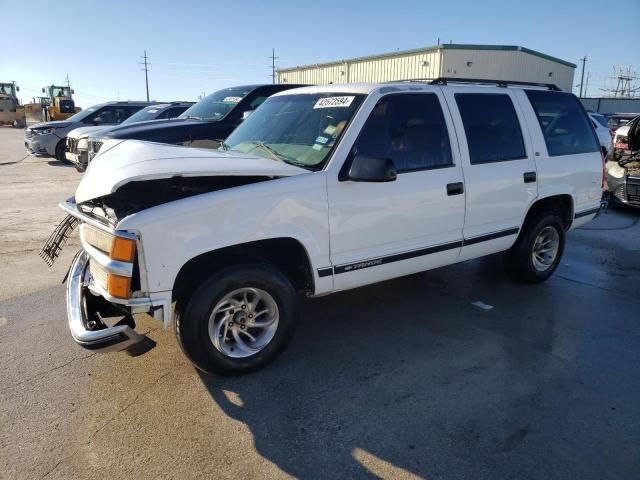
79	159
85	331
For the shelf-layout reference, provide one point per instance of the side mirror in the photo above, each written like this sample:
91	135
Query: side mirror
17	88
246	114
72	92
368	169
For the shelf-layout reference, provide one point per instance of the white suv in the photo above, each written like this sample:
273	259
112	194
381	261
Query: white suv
322	189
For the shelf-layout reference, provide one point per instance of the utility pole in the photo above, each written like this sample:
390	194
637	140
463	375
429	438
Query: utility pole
587	84
583	60
146	71
273	65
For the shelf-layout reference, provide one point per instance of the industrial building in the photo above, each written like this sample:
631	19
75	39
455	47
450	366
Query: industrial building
494	62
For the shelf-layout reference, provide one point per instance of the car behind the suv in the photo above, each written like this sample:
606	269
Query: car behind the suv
623	165
205	124
77	149
322	189
49	139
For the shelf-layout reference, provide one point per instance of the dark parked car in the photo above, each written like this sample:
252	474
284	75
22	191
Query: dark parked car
206	124
77	149
48	139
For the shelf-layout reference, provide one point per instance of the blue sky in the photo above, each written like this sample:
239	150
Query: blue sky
202	46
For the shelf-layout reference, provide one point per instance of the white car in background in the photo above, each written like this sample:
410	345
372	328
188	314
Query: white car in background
602	131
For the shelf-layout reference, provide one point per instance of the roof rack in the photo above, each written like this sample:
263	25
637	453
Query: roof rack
499	83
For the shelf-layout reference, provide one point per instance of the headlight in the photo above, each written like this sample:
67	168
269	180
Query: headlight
117	248
83	144
43	131
615	170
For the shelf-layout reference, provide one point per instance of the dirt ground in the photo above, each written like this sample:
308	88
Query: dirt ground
29	195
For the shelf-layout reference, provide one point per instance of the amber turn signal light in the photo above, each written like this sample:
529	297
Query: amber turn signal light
123	249
118	286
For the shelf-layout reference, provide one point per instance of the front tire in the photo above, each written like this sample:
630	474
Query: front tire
60	147
238	320
538	250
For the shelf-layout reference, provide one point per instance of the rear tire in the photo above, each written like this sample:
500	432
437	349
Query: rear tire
538	250
208	325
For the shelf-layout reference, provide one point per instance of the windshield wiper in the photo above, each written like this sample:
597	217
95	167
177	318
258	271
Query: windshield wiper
191	117
223	146
275	155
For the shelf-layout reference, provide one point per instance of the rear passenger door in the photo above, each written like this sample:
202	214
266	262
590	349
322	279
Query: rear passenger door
499	167
381	230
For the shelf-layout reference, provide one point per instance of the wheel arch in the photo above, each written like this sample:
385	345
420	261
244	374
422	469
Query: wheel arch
562	203
286	254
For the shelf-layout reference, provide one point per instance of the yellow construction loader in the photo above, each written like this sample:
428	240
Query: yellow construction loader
61	105
36	111
11	112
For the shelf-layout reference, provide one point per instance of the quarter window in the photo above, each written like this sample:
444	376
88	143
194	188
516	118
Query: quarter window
564	123
410	130
491	126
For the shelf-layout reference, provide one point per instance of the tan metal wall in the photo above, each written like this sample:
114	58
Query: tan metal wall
506	65
484	64
400	67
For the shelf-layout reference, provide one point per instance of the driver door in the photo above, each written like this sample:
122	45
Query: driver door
381	230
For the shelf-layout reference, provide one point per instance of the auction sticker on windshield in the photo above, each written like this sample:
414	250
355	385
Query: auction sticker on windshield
232	99
331	102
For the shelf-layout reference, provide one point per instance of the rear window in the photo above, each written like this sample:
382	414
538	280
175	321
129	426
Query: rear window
491	126
564	123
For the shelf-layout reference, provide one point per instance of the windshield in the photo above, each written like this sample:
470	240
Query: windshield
6	89
78	117
60	91
216	105
147	113
298	129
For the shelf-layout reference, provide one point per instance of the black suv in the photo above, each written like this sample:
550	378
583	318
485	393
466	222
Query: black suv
205	124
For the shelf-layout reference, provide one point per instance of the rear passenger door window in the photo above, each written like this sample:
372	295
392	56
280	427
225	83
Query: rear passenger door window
491	126
564	123
410	130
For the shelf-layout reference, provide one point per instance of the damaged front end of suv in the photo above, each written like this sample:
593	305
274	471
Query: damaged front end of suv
623	170
115	209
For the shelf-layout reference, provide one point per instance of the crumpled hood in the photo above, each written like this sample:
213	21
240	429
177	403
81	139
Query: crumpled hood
53	124
83	131
125	161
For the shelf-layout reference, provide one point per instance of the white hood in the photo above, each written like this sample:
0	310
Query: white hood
84	131
125	161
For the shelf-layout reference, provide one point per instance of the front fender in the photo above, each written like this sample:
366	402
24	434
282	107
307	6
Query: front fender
173	233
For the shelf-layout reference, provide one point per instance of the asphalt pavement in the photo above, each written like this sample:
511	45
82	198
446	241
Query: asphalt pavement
410	378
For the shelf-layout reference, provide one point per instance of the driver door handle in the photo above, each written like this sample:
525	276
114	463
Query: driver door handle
455	188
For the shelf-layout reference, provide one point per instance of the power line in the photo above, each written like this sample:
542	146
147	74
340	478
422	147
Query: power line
146	71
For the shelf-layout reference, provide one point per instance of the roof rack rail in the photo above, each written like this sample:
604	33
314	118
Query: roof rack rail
499	83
